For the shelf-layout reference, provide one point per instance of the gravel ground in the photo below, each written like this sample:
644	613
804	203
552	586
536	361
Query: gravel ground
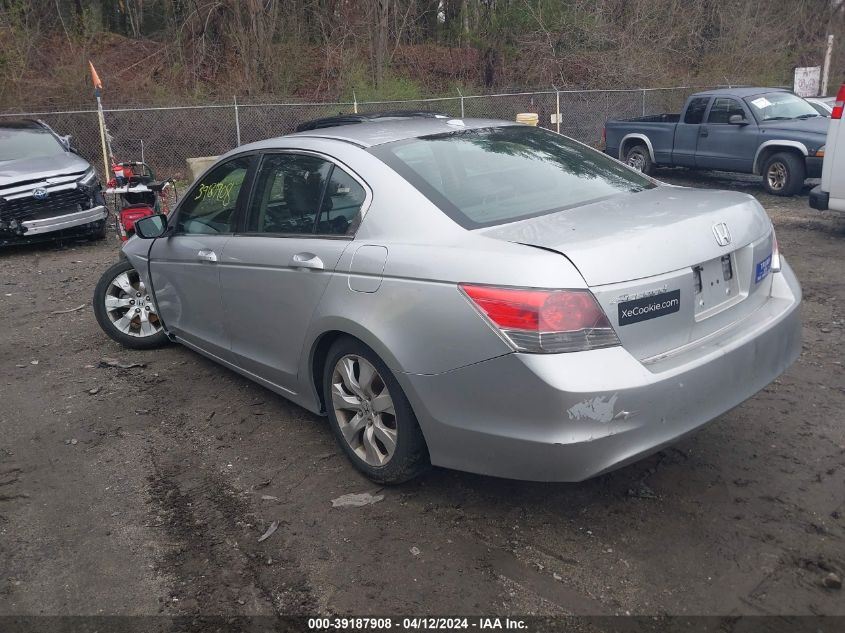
144	490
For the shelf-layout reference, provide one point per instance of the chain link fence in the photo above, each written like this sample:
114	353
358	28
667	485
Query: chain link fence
165	137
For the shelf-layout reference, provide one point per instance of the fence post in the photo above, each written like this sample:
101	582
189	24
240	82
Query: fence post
354	103
643	101
557	109
461	94
237	120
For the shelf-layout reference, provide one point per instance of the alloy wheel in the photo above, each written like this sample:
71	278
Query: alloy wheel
777	176
637	161
129	307
364	410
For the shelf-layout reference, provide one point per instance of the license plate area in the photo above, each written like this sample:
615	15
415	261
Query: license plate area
716	286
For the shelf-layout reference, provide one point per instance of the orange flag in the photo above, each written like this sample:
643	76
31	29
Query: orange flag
95	77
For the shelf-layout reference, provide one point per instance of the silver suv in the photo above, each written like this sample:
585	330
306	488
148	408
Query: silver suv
47	191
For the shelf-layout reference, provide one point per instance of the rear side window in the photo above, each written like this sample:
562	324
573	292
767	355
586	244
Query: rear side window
342	205
288	194
304	194
723	109
695	110
490	176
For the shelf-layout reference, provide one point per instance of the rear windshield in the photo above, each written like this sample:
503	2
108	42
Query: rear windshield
490	176
18	143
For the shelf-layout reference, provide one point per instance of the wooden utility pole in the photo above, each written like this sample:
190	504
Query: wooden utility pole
826	66
383	9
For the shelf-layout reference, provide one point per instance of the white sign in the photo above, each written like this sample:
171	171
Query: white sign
807	81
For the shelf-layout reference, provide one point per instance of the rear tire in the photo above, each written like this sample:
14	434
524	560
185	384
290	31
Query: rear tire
784	174
370	415
124	309
637	157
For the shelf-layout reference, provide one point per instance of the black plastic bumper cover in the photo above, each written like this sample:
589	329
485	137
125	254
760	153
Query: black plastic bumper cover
819	199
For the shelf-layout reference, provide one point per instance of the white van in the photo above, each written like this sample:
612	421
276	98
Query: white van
831	193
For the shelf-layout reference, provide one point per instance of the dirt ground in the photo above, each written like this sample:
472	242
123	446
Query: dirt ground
145	490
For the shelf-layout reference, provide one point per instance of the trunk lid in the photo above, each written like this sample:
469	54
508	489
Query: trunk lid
633	236
653	261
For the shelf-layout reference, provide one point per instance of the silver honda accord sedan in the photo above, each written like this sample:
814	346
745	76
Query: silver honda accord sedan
473	294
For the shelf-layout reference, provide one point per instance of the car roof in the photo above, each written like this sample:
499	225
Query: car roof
362	117
741	92
378	132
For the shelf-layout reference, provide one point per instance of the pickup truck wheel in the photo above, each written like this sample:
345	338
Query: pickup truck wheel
783	174
639	158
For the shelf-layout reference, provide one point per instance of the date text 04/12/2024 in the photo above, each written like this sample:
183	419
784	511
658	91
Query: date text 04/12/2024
417	623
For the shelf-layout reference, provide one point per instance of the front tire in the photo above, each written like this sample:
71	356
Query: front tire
784	174
125	310
637	157
370	415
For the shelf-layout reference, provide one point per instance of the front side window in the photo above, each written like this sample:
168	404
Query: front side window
695	110
304	194
723	109
490	176
780	106
210	207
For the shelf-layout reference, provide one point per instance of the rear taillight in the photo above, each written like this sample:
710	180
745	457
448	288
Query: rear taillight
544	321
775	253
839	106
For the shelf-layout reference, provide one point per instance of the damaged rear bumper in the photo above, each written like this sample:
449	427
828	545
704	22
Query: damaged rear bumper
568	417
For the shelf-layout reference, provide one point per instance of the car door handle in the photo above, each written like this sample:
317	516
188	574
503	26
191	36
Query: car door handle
704	132
206	255
307	260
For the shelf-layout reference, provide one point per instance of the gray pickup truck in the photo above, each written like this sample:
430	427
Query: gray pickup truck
765	131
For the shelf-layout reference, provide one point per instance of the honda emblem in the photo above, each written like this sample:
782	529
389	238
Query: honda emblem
723	235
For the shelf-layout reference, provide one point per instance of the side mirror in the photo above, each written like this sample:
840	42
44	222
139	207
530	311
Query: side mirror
151	227
737	119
